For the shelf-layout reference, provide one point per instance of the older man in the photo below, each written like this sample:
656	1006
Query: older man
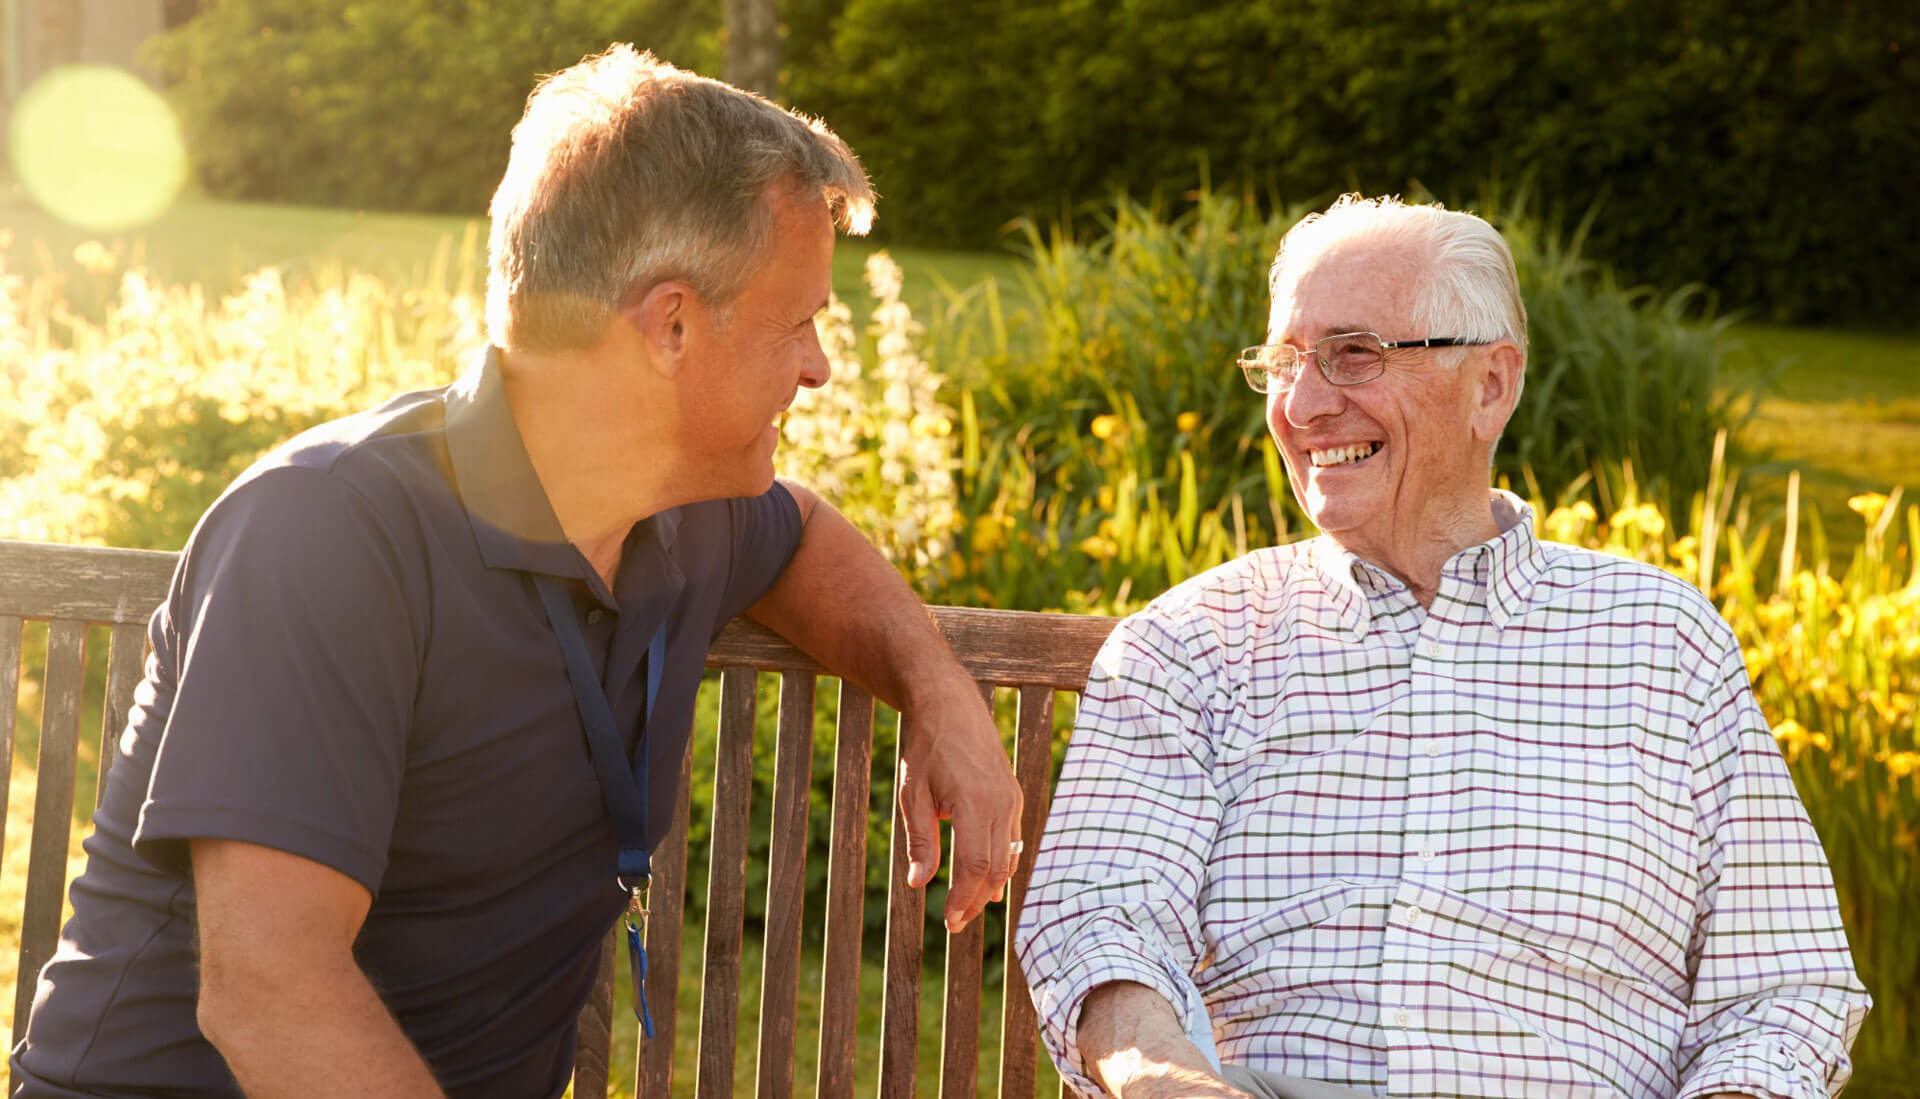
420	691
1425	806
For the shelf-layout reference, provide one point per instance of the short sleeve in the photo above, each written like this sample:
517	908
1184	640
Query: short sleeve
766	533
295	658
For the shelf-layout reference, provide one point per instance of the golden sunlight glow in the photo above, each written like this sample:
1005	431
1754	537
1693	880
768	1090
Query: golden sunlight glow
97	148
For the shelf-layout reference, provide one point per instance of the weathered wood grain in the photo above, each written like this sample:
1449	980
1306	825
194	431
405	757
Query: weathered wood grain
786	887
900	998
846	894
653	1067
10	630
84	583
52	810
726	886
126	662
1010	647
593	1052
1032	767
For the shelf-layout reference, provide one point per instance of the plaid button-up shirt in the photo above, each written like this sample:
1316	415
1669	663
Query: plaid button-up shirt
1536	839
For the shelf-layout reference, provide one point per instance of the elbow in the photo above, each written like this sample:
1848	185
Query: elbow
222	1011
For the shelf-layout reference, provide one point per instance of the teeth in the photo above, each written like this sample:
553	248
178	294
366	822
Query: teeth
1341	455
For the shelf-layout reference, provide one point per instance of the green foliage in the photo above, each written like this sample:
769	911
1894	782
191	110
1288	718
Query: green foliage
394	104
1764	151
1129	453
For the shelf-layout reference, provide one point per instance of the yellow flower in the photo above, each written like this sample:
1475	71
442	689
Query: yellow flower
1103	497
988	534
1098	548
1107	426
1821	741
1868	505
1789	732
1188	421
1902	764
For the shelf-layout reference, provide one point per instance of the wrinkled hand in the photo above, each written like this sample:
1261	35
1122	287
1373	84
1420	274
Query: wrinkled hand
953	768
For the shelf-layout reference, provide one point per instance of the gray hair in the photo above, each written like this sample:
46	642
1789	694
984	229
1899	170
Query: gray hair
626	172
1469	287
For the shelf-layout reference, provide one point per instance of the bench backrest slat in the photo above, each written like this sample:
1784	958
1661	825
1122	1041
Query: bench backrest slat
593	1052
900	989
960	1018
653	1070
10	630
83	583
1033	768
52	807
846	894
726	885
786	887
126	662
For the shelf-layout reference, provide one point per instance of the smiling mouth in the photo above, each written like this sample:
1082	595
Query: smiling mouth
1343	455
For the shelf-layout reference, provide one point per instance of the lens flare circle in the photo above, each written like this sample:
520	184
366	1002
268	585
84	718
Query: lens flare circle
97	148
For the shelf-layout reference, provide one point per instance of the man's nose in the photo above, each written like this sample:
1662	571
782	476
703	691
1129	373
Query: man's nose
1311	397
815	370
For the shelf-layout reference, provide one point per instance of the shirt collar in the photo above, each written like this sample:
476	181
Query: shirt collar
1506	567
507	507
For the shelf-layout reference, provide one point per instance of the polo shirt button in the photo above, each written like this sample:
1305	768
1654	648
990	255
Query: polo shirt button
594	616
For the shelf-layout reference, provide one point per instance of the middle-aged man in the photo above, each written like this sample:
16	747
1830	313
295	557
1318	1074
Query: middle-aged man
361	837
1425	806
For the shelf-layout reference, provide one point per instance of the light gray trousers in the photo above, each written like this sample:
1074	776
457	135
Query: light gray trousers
1268	1085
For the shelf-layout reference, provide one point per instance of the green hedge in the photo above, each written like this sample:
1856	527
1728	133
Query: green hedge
1765	151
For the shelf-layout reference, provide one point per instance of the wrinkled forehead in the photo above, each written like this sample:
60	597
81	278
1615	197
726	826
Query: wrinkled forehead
1353	285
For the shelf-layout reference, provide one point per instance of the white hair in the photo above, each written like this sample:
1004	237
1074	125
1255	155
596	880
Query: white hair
626	172
1469	288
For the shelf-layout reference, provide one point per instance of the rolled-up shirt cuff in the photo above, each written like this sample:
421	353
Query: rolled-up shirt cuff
1760	1067
1059	1001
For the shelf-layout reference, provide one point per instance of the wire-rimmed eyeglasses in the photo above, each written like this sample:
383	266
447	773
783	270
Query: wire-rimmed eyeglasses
1349	358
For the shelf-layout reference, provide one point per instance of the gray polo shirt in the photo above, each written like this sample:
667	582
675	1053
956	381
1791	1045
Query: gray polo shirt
352	665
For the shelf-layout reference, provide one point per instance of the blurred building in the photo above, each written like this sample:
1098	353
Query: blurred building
41	34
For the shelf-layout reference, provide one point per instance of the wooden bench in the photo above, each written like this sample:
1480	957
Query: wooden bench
71	588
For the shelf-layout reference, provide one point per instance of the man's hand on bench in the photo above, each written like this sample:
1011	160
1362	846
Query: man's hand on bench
953	768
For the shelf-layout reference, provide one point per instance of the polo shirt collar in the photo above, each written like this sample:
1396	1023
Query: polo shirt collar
1515	562
507	507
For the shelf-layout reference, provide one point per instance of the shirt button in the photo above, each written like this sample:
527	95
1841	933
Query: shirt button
1430	648
1433	748
1402	1019
594	616
1426	854
1414	914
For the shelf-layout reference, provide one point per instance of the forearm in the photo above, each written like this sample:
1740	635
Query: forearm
1132	1043
845	606
312	1030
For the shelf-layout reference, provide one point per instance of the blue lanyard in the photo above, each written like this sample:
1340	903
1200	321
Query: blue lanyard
624	789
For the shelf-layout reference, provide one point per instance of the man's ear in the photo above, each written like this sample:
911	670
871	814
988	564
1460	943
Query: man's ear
1497	389
661	319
